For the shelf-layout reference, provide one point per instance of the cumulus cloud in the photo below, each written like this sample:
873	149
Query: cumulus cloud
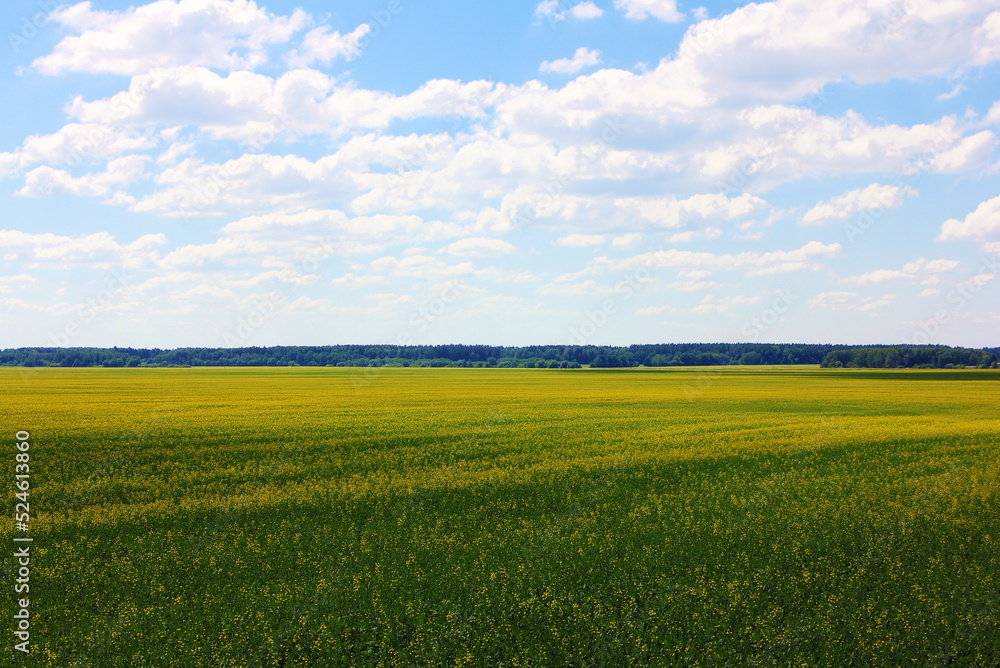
9	284
46	181
752	262
978	281
224	34
639	10
554	10
581	240
982	224
972	150
713	304
692	280
582	59
479	246
792	48
258	109
99	249
680	151
72	145
851	301
993	115
670	212
873	197
589	287
322	46
626	240
925	271
694	235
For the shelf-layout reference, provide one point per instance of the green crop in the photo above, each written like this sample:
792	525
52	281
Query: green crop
479	517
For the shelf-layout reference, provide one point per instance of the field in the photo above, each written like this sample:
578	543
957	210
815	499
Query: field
476	517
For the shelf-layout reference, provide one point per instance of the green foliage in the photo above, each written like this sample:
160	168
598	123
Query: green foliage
671	354
917	357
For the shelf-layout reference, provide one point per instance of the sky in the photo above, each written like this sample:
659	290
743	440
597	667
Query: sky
229	173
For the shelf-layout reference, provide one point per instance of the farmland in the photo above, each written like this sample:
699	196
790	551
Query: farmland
510	517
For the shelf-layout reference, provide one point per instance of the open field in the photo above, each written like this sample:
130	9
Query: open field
477	517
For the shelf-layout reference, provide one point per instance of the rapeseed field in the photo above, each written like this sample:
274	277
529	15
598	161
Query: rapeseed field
478	517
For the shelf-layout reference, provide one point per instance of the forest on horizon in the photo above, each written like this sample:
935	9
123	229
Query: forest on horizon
562	357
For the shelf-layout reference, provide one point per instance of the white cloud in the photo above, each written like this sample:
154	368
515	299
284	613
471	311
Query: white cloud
18	282
692	235
99	250
753	262
582	59
615	162
851	301
713	304
692	280
192	188
322	46
671	212
987	39
304	240
993	115
626	240
554	10
274	276
874	304
978	281
790	48
421	267
21	304
589	287
974	150
981	224
46	181
833	300
955	91
479	247
694	274
653	310
638	10
581	240
225	34
72	145
258	109
924	270
875	196
777	144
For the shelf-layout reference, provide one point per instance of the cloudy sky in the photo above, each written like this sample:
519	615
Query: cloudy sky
220	172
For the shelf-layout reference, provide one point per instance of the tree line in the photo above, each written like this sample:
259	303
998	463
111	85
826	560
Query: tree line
912	357
560	357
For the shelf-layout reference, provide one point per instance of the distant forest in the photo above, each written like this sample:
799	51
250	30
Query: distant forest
559	357
915	357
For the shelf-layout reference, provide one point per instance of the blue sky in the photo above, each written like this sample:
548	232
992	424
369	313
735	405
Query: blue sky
227	173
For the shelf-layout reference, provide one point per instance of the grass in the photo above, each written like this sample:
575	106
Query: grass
453	517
